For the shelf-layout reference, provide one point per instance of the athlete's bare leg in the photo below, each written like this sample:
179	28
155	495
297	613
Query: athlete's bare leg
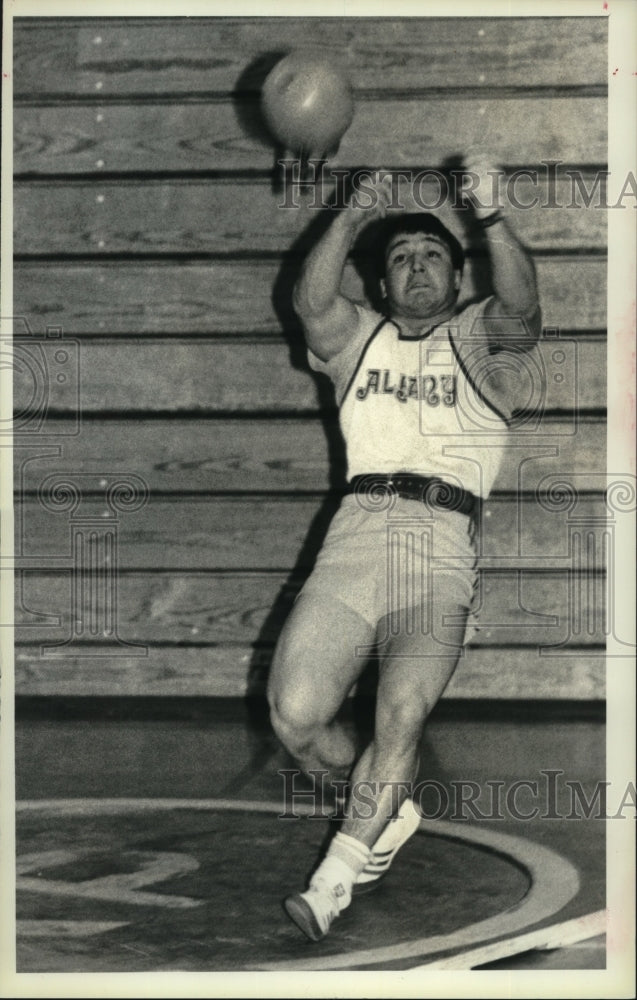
414	670
413	673
315	665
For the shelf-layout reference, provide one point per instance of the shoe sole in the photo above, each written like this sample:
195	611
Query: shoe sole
301	913
369	885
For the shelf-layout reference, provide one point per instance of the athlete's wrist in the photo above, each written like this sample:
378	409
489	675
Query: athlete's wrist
354	215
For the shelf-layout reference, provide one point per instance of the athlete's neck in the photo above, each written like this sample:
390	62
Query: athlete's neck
420	326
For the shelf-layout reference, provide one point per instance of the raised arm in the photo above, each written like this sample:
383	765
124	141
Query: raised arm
329	318
512	270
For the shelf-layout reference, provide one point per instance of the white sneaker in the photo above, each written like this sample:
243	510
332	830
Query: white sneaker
397	832
315	910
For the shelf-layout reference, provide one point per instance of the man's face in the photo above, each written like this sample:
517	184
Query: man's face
420	280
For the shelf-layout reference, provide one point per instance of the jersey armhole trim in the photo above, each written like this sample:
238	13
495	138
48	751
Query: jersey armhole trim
465	371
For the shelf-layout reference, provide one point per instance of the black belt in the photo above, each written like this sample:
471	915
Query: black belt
427	489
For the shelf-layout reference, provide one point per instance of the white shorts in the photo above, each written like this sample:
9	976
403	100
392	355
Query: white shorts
400	555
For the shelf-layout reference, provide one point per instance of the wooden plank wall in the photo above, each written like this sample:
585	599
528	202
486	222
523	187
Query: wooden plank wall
147	232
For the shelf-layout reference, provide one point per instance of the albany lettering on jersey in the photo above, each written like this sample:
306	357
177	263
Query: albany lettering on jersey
431	389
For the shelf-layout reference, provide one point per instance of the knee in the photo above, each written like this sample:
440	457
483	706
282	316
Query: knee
292	719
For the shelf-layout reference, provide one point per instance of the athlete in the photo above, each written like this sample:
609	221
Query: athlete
425	393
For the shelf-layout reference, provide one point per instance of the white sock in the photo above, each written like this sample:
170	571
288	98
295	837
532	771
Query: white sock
341	867
353	852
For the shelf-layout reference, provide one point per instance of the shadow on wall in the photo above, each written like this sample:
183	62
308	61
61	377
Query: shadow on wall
246	98
291	330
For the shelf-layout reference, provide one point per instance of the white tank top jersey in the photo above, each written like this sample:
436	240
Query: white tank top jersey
410	404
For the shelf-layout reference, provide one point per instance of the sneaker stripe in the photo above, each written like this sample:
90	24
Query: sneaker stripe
380	861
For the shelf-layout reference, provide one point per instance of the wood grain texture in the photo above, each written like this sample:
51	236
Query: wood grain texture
225	455
213	376
225	136
220	296
203	55
515	608
249	533
225	672
140	150
245	217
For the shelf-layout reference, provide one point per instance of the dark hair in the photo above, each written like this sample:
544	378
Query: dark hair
420	222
